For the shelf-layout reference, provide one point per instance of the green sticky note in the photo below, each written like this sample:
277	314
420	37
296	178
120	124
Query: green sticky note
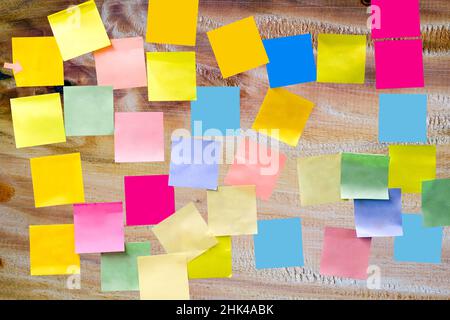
364	176
89	110
119	269
436	202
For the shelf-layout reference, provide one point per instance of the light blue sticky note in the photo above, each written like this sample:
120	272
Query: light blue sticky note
402	118
278	243
418	243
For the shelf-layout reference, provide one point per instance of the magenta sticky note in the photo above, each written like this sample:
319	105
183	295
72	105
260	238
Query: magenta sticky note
148	199
98	227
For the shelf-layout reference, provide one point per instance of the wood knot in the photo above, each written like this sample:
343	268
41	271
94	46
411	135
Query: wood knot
366	2
6	192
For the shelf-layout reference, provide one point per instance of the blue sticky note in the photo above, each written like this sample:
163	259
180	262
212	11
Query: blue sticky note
278	243
402	118
418	243
216	110
291	60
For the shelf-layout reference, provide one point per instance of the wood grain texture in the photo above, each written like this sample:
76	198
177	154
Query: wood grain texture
345	119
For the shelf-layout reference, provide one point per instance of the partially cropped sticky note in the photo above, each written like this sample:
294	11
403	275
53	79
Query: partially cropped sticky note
57	180
214	263
238	47
232	210
37	120
185	232
78	30
172	22
283	116
410	165
41	62
163	277
52	250
171	76
436	202
341	58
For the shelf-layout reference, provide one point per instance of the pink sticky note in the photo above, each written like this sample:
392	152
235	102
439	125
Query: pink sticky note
122	65
139	136
148	199
399	64
255	164
99	227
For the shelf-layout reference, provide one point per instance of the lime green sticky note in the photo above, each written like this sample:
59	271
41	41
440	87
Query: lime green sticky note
436	202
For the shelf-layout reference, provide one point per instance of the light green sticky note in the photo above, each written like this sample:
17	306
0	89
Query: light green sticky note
436	202
89	110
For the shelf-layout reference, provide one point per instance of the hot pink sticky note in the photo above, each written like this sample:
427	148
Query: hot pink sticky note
148	199
399	64
99	227
122	65
139	137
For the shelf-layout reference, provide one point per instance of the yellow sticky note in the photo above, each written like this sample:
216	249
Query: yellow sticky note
78	30
57	180
163	277
341	58
283	115
232	210
214	263
186	232
41	62
319	179
38	120
52	250
409	165
172	22
171	76
238	47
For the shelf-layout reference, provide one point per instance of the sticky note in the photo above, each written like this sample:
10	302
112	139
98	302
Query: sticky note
148	199
171	76
283	116
412	109
185	232
409	166
57	180
232	210
40	60
52	250
119	270
278	243
122	65
172	22
364	176
139	137
341	58
344	255
291	60
216	112
89	110
214	263
436	202
78	30
418	243
238	47
98	227
399	64
194	163
37	120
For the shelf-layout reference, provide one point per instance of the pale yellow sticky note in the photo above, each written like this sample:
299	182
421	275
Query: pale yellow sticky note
283	116
78	30
186	232
319	179
163	277
410	165
41	62
232	210
52	250
37	120
172	22
171	76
